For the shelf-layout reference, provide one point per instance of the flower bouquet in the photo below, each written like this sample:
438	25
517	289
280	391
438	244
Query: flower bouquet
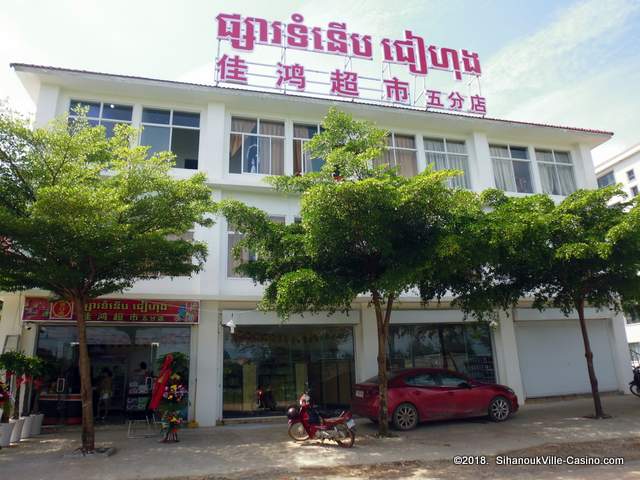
174	397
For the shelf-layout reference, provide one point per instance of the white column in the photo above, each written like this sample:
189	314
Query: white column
620	351
288	147
10	316
480	165
367	353
421	157
212	273
208	366
583	167
214	143
507	355
47	104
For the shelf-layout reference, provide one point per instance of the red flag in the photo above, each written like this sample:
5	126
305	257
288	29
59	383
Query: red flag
161	382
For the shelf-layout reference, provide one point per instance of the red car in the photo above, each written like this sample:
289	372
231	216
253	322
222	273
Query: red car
424	394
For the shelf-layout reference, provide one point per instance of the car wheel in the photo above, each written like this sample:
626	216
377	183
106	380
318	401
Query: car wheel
499	409
405	417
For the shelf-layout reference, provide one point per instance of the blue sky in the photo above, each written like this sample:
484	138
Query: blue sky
565	62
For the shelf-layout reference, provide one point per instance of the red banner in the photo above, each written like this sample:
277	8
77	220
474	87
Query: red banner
113	310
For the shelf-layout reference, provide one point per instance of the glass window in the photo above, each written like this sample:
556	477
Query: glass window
246	255
634	191
450	380
302	161
401	154
606	180
256	146
102	113
422	380
171	130
556	172
464	348
631	175
446	154
511	168
266	367
632	315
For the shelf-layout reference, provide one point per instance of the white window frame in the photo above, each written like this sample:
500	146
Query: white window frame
606	175
100	118
393	148
303	142
511	159
446	153
171	126
245	134
631	175
555	164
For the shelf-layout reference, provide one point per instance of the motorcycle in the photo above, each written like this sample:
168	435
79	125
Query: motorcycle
306	423
634	386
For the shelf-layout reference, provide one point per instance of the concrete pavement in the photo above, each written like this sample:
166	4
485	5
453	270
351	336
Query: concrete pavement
265	451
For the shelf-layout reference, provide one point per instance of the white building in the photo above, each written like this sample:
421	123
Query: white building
624	169
216	131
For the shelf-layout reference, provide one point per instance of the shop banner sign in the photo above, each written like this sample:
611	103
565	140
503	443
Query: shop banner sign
113	310
408	64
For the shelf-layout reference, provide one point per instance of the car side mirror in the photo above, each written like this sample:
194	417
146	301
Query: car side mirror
464	385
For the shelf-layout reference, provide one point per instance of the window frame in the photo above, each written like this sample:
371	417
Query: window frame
302	141
257	119
634	190
631	175
171	126
528	161
467	173
393	148
100	117
607	175
555	164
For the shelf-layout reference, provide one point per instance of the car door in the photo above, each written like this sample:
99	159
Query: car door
423	390
463	399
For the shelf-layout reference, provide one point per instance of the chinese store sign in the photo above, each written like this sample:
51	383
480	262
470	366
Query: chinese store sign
418	59
113	310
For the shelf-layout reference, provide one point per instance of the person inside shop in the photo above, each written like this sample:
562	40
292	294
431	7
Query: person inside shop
105	392
142	375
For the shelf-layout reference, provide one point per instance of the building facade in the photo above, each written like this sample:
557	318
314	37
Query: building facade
624	169
236	137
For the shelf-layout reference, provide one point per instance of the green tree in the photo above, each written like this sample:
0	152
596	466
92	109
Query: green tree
364	231
83	215
17	364
581	252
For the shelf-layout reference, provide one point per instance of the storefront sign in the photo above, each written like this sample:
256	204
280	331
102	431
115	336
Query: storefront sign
113	310
412	52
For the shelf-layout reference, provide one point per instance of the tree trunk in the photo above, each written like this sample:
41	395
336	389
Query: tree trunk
382	321
16	400
86	390
589	356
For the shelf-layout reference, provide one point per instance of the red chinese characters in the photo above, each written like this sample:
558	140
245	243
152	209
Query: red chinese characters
291	75
396	91
232	69
344	83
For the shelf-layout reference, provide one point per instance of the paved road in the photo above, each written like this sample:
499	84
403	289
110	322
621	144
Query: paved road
264	450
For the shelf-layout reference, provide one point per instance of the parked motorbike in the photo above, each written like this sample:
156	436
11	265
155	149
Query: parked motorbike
306	423
634	386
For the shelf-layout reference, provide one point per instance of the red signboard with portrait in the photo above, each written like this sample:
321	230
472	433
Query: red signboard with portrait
113	310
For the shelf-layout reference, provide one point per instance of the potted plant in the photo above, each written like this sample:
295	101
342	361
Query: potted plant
15	365
6	428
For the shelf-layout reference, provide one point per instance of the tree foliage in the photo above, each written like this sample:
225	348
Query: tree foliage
83	215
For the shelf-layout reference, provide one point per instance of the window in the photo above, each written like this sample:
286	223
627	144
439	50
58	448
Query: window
634	191
256	146
400	153
233	237
556	172
447	154
631	175
302	161
450	380
102	113
606	180
172	130
511	168
632	315
422	380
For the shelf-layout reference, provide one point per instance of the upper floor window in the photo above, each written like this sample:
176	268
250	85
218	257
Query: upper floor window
634	191
631	175
302	161
172	130
256	146
556	172
511	169
400	153
606	180
102	113
447	154
233	237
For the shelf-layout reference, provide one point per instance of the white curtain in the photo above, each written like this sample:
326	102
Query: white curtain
503	174
437	160
459	162
548	179
566	180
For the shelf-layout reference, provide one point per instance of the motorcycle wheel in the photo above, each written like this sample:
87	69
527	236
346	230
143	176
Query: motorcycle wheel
635	389
348	436
297	432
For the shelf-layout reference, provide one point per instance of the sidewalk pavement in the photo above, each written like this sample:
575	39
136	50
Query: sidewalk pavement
265	450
